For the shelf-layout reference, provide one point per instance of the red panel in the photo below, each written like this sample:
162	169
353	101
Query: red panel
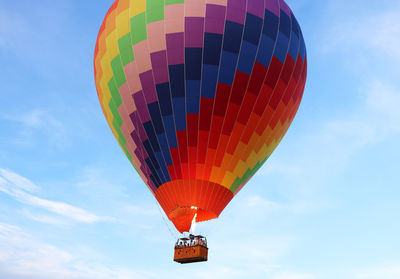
262	101
246	108
299	68
177	161
182	143
202	146
192	120
171	170
192	161
239	87
215	131
206	107
221	99
274	71
257	78
250	127
267	116
287	69
223	142
277	95
230	118
235	137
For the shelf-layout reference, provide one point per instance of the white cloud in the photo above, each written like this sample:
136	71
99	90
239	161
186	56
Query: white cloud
293	275
386	272
20	182
16	186
24	256
256	201
36	126
42	218
378	31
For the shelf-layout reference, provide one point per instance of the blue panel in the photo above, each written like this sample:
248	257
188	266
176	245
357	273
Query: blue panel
294	46
285	24
281	47
148	127
155	180
160	175
302	50
295	26
247	57
212	48
265	50
155	116
192	96
150	165
253	28
162	139
165	174
228	67
170	130
209	82
271	25
193	60
164	98
177	80
232	36
179	113
153	164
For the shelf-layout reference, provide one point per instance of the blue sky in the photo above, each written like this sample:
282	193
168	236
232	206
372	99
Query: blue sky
325	206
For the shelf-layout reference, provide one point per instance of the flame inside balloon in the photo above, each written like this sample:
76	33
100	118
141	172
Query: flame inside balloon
199	94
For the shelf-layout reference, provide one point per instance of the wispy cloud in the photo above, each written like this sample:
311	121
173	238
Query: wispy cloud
387	272
24	256
18	187
35	126
379	30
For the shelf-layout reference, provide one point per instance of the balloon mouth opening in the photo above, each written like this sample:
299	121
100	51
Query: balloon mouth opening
183	216
182	199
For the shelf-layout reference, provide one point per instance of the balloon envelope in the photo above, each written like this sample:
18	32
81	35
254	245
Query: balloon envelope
199	93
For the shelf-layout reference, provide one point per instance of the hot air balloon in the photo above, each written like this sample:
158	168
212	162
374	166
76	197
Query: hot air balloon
199	93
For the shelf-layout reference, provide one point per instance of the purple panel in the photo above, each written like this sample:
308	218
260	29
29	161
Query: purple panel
175	48
215	18
160	67
285	7
236	15
141	108
194	31
152	186
214	25
256	7
240	4
272	6
149	90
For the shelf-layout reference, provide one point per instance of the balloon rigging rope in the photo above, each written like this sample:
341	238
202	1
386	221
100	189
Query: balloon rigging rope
174	236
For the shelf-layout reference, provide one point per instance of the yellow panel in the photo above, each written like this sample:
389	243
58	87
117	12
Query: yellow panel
137	7
112	46
123	24
228	180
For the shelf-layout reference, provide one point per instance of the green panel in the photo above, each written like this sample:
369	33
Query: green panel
115	96
171	2
138	28
125	48
249	173
118	71
154	4
155	14
117	121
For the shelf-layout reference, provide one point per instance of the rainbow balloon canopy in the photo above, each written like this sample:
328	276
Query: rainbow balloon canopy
199	93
